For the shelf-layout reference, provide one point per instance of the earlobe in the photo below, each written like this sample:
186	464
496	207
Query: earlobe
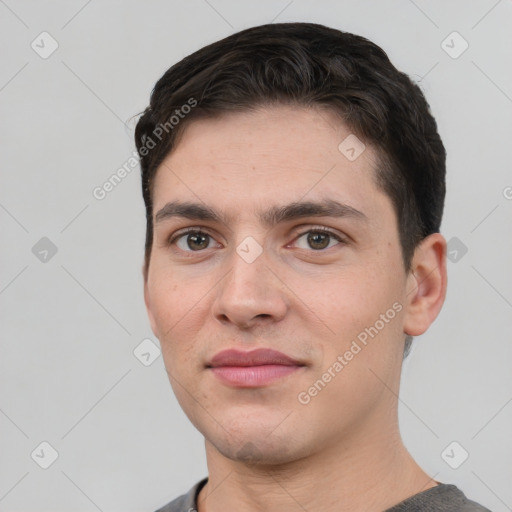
427	282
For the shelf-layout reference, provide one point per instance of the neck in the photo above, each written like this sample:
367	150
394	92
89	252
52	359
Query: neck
369	472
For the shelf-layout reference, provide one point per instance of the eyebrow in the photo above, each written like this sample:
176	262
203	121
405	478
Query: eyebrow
270	217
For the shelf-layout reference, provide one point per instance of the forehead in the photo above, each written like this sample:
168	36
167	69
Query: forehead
243	161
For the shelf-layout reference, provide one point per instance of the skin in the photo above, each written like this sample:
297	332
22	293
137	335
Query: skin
265	450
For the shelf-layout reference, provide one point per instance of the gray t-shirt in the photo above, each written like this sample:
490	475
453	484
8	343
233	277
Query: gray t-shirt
442	498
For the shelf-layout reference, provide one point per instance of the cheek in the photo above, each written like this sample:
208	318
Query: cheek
351	305
344	294
172	295
176	308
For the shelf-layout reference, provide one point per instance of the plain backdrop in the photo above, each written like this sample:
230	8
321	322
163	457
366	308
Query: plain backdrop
71	302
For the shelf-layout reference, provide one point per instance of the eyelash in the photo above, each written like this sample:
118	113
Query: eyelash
319	229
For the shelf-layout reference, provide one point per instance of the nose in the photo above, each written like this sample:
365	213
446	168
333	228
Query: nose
251	294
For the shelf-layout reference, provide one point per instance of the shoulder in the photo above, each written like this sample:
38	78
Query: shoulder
442	498
185	502
176	505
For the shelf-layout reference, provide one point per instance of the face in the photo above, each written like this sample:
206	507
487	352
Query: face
326	288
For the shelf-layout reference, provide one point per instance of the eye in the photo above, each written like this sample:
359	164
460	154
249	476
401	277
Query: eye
195	240
319	238
192	240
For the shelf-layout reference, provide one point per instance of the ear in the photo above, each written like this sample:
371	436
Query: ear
147	302
426	285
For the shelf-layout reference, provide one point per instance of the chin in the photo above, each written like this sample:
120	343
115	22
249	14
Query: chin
258	446
258	452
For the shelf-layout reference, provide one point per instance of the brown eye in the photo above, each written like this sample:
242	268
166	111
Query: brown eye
318	240
197	241
192	241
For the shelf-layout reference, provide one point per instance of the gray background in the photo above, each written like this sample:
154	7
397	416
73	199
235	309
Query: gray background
70	322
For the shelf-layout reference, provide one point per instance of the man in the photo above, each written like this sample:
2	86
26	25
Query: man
294	184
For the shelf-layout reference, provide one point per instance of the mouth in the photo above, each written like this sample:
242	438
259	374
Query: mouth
257	368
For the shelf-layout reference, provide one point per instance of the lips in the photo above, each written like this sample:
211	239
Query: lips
258	357
257	368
